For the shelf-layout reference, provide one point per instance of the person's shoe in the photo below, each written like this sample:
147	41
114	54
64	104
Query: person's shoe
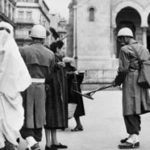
10	146
123	140
128	145
35	147
58	146
77	129
50	148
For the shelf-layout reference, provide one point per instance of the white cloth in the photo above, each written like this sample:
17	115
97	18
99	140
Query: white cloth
14	78
11	117
30	141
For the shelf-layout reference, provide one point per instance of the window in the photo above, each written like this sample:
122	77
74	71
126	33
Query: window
13	13
29	15
5	7
91	14
20	14
1	5
9	11
30	1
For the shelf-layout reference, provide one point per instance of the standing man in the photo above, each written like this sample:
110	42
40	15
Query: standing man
14	78
40	62
135	99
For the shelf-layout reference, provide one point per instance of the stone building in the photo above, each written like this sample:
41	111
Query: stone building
93	26
7	11
28	13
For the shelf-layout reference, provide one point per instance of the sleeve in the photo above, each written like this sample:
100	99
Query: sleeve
50	69
123	67
123	61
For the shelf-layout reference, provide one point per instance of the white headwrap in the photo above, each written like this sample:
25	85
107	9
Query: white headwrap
14	76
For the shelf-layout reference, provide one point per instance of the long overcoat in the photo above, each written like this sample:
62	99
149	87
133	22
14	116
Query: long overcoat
56	99
135	99
40	62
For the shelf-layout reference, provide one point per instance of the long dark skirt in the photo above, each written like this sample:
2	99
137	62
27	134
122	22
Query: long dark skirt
80	111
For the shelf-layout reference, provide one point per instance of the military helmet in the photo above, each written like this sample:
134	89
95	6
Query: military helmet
125	32
38	31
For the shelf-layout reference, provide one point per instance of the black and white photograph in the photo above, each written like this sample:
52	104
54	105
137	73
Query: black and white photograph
74	74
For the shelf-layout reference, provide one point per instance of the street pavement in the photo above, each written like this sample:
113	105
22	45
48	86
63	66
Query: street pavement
103	125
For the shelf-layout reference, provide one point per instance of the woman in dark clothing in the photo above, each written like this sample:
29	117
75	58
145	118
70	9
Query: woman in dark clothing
74	82
56	104
80	106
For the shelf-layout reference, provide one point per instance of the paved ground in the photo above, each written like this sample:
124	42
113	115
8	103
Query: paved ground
103	125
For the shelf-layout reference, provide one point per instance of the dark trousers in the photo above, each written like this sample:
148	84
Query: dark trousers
132	123
36	133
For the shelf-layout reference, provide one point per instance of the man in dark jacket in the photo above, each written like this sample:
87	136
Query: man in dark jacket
40	62
136	100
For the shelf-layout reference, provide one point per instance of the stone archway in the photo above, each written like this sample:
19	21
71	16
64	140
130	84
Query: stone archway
129	17
121	5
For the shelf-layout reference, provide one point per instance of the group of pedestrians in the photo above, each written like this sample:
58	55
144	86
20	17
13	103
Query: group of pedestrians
37	82
34	91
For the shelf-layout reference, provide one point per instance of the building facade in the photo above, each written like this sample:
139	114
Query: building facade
7	11
93	27
28	13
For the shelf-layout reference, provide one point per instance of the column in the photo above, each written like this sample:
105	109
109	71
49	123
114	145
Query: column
75	35
145	36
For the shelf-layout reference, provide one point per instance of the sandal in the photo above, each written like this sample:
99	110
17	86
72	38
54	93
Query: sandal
77	129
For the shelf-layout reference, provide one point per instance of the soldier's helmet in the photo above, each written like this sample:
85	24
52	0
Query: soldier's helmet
38	31
125	32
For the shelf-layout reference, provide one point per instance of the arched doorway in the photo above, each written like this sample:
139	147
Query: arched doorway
129	17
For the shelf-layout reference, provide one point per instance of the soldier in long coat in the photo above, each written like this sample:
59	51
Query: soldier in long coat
135	99
40	62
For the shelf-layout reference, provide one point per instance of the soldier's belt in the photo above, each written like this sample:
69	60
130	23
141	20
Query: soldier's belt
38	80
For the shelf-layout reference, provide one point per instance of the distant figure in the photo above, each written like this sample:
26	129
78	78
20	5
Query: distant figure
14	78
136	100
74	83
40	62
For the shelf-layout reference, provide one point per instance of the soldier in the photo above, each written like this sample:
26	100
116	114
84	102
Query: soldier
14	78
40	62
136	100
